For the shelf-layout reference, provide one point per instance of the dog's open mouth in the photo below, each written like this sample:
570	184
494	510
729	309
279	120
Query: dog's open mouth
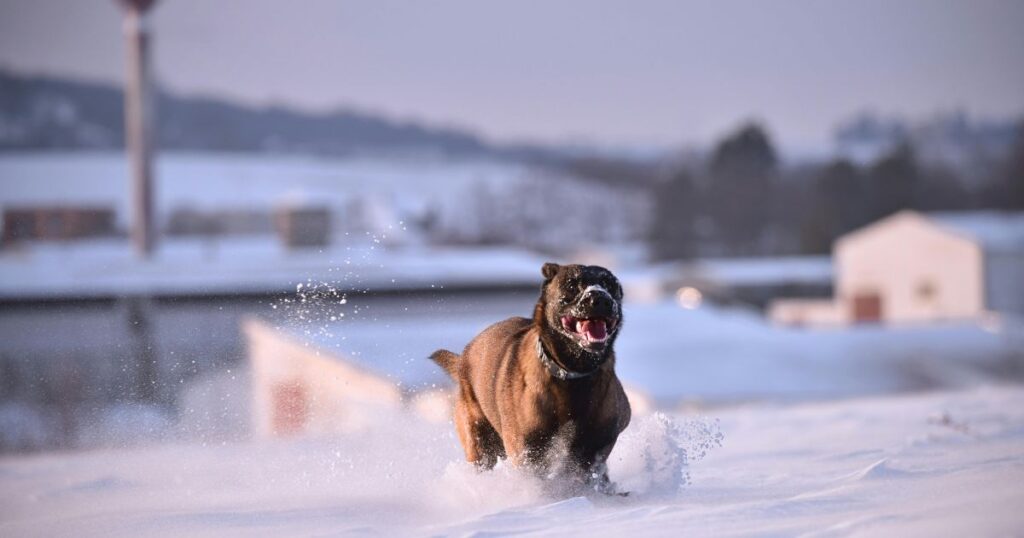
590	330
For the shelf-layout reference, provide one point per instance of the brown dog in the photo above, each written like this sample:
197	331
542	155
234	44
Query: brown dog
529	386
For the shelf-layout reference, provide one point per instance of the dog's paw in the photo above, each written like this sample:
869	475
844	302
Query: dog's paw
607	487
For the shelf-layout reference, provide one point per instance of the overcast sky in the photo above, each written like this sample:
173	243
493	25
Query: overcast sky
630	72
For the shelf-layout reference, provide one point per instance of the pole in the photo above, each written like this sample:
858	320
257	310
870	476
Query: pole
139	146
137	112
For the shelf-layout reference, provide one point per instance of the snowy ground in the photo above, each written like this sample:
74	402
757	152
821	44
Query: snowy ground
948	463
673	356
714	354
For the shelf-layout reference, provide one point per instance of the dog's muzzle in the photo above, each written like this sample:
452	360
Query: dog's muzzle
593	318
598	301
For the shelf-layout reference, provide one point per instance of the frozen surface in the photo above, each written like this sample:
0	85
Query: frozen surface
946	464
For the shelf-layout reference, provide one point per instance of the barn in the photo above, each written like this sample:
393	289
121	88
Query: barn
921	267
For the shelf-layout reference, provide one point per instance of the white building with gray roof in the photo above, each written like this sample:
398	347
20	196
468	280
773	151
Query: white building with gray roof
922	267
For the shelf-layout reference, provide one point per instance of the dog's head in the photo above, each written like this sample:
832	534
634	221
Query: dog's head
581	307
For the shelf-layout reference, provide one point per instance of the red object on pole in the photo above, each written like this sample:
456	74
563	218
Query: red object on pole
138	118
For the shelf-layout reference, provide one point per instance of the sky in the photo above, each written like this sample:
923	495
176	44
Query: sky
640	74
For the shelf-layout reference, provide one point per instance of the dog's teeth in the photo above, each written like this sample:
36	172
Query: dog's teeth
579	326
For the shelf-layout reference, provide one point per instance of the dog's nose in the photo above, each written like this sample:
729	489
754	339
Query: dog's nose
597	299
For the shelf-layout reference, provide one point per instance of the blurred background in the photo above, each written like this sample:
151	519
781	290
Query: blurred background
234	219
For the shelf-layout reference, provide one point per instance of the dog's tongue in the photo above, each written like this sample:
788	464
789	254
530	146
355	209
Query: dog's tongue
595	329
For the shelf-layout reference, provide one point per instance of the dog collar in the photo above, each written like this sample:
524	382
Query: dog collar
553	367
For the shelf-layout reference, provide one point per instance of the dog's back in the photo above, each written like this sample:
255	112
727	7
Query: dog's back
496	342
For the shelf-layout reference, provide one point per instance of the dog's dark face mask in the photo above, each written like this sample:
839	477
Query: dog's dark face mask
581	310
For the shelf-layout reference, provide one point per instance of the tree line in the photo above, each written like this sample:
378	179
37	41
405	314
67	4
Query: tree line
741	201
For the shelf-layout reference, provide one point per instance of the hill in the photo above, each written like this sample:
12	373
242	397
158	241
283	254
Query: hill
56	113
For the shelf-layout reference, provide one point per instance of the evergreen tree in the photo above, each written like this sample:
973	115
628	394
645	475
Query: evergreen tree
672	231
740	195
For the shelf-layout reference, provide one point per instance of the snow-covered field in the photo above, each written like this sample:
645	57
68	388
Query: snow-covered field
225	180
871	430
731	354
474	200
938	464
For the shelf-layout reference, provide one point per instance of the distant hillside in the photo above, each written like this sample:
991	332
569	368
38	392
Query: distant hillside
52	113
953	139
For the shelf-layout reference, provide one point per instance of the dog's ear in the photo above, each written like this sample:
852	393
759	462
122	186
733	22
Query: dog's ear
549	270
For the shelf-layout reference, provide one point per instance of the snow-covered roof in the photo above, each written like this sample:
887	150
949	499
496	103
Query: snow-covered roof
994	230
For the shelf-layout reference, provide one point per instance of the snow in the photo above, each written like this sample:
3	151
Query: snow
410	199
775	450
378	206
863	430
677	355
222	180
946	463
394	345
719	355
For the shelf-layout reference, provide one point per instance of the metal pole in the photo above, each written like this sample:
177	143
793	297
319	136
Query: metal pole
137	112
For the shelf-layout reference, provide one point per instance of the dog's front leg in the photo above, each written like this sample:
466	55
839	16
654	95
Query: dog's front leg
595	473
526	451
515	447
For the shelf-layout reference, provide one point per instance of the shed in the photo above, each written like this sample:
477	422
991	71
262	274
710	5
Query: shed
922	267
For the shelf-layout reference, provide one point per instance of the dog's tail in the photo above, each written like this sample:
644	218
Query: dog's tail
448	360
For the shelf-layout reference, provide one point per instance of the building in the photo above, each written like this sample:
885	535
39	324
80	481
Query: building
300	389
57	223
187	221
304	226
914	267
